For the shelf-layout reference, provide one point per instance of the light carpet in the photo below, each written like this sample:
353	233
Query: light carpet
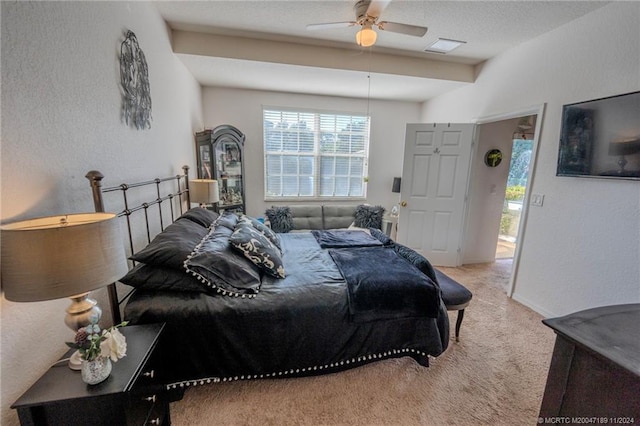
495	375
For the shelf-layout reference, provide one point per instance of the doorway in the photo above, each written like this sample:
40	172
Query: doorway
516	187
481	238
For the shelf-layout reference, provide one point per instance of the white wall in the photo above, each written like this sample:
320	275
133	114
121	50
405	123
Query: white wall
243	109
582	248
61	118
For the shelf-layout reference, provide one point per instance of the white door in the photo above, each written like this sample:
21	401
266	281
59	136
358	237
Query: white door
434	187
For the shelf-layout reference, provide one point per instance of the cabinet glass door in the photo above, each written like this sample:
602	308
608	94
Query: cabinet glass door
204	157
229	174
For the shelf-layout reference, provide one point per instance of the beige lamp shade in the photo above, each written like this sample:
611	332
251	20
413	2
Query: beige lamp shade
204	191
61	256
627	146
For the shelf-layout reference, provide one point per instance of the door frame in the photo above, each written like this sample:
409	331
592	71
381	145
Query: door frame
537	110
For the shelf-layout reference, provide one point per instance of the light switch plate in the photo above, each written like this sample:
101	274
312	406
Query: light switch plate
537	199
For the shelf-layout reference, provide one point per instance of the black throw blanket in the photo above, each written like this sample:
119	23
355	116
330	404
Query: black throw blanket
384	285
340	239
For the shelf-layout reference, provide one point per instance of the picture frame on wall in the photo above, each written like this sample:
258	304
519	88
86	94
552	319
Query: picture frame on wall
576	141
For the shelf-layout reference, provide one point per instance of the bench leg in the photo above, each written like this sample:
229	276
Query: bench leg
459	323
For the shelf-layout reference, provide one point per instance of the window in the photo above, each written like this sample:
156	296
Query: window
315	154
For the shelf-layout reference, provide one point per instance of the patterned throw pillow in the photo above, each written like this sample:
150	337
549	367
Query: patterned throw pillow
281	219
262	228
258	249
369	216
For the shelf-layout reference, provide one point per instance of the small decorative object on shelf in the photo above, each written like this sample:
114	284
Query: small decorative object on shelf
97	349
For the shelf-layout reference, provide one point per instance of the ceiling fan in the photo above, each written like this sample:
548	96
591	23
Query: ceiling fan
367	15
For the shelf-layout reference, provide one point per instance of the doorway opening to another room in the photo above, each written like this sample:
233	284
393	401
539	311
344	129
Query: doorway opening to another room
503	190
522	149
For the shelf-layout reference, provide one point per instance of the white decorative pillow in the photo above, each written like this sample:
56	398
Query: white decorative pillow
256	247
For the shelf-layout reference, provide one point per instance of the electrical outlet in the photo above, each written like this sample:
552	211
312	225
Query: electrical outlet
537	199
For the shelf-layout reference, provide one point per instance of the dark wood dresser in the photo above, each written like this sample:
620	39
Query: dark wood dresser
595	367
131	395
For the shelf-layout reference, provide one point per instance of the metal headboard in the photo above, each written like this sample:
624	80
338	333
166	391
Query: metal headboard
180	190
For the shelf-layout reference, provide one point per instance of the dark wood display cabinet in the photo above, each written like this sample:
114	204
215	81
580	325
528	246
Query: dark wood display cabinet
220	155
131	395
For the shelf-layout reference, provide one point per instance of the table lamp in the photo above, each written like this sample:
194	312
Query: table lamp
623	147
204	191
63	256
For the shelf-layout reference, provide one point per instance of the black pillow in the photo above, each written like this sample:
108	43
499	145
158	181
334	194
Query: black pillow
218	266
200	216
171	247
262	228
258	249
369	216
146	277
280	218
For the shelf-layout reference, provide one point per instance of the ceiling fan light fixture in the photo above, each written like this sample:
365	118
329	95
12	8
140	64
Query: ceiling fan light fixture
366	37
444	45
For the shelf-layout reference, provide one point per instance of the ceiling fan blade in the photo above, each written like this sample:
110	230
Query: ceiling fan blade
395	27
376	7
330	25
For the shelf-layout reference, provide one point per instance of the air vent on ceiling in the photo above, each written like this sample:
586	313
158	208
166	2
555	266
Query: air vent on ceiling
443	45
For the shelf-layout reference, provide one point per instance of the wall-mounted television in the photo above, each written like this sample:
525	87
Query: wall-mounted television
601	138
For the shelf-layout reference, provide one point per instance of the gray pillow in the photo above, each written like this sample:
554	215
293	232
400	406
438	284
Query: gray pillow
280	218
369	216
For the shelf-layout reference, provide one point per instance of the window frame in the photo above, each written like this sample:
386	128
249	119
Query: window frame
354	117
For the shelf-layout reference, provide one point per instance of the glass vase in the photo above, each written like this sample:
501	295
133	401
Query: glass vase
96	371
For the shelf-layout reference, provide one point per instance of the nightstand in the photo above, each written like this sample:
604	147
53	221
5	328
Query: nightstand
390	226
131	395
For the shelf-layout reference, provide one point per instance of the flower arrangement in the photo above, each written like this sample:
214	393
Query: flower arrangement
93	343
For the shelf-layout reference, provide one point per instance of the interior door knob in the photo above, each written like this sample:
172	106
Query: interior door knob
403	204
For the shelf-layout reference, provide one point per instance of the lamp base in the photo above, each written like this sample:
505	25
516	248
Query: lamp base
622	162
75	362
82	312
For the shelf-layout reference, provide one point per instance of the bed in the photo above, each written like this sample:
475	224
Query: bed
235	309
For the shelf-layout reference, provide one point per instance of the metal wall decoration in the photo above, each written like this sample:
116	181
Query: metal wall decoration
134	78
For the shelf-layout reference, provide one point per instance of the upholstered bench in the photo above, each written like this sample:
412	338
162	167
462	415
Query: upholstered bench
455	296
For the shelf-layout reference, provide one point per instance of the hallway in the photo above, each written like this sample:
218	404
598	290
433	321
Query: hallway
505	249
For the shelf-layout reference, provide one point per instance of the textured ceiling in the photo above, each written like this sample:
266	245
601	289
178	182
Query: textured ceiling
489	28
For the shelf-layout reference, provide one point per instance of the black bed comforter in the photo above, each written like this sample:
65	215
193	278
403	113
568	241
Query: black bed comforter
295	326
